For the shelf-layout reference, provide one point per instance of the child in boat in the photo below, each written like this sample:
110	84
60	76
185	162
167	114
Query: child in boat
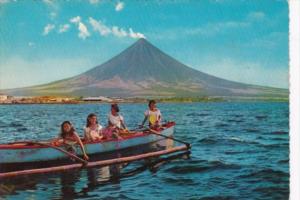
116	123
153	115
93	130
69	137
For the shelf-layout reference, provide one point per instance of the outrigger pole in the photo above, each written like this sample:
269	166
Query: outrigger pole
71	155
93	164
152	131
188	145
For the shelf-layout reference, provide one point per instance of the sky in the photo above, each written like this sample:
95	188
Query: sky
47	40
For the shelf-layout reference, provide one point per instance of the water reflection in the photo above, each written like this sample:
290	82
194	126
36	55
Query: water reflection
67	182
109	175
114	173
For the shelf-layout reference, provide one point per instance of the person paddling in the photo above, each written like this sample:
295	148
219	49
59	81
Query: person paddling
69	138
153	115
93	130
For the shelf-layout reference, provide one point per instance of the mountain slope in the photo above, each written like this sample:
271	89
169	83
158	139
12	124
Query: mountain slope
144	70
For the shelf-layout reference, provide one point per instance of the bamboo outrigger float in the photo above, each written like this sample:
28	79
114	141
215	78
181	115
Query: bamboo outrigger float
36	152
93	164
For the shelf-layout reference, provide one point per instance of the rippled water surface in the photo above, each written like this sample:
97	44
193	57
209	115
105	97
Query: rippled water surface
239	151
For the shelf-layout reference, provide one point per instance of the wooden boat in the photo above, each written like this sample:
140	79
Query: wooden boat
27	157
26	152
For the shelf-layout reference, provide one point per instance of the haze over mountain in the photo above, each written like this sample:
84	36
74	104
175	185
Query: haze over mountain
144	70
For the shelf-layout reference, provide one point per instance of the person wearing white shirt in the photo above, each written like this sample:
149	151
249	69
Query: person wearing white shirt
93	130
153	115
115	119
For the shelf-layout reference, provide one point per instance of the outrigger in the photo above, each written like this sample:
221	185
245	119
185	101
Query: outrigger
29	152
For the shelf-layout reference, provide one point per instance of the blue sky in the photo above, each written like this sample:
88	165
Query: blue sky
43	41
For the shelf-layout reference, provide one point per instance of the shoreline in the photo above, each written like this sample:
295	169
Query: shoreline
21	100
281	100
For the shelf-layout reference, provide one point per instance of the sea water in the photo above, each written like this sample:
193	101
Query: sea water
240	150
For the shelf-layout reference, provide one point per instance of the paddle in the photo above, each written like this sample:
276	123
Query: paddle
188	145
59	149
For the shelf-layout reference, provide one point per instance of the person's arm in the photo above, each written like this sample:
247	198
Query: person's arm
109	121
81	146
144	121
121	118
159	118
86	135
57	141
123	124
109	124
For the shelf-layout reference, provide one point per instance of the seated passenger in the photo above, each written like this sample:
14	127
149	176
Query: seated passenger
69	138
116	123
93	130
115	119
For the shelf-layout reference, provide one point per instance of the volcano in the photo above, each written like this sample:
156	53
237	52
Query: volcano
143	70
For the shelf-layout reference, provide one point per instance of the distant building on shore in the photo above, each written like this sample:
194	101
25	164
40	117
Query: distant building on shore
4	97
100	98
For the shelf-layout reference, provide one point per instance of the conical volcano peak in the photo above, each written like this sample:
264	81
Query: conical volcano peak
142	42
143	61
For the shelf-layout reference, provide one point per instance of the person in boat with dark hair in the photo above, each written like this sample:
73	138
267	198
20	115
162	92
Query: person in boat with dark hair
93	130
116	124
153	115
68	137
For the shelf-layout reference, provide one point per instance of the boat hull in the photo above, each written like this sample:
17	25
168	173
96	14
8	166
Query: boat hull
30	154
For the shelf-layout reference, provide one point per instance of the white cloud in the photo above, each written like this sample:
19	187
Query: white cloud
105	30
75	19
48	28
119	6
119	32
99	26
83	31
94	1
63	28
135	34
